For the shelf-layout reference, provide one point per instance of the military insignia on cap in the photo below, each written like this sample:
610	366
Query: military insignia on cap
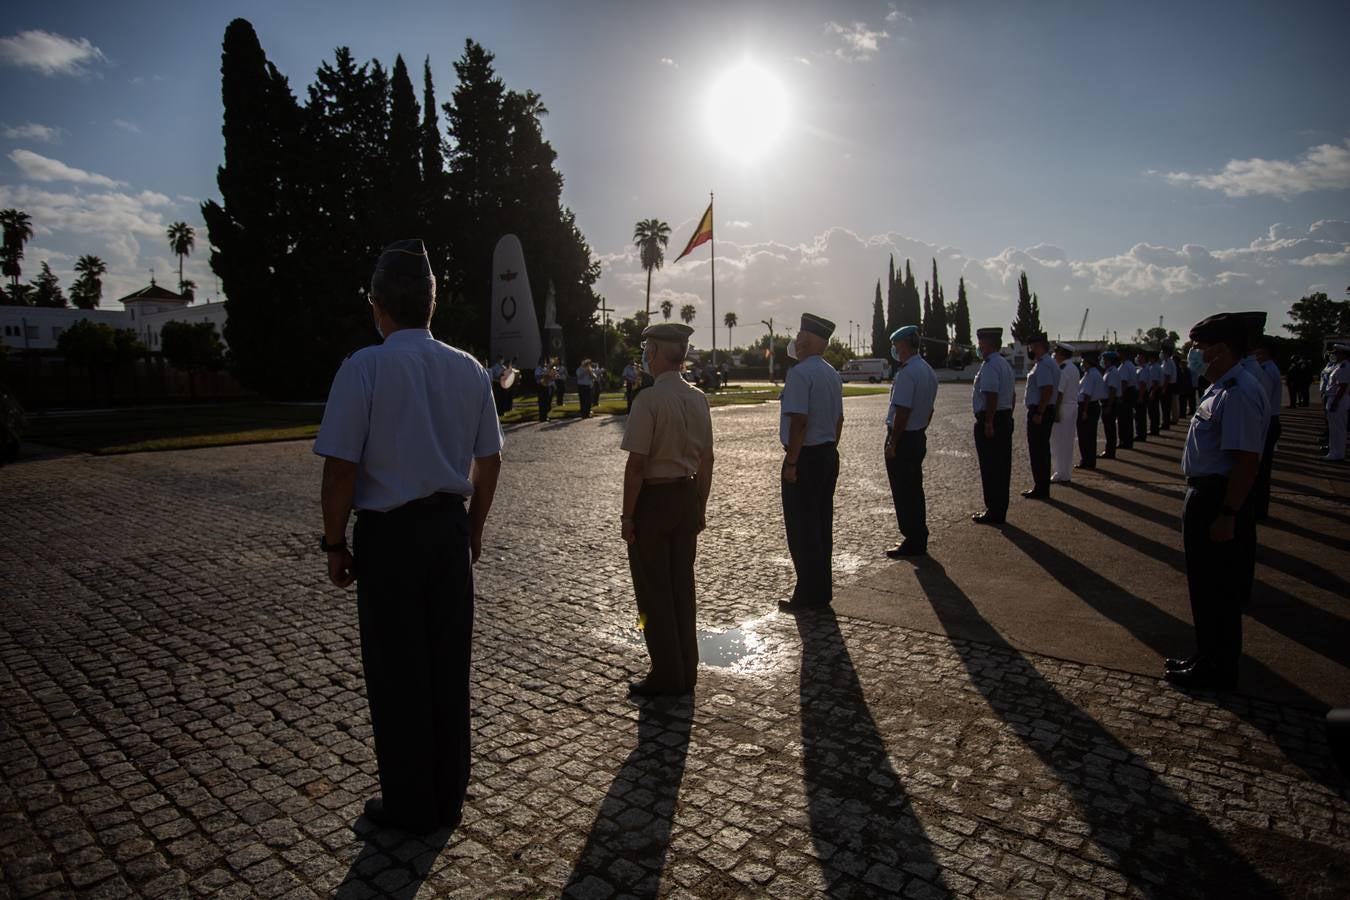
405	258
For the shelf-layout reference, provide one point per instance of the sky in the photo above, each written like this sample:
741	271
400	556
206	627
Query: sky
1137	160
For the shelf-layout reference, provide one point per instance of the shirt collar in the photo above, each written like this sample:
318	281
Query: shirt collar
408	335
666	376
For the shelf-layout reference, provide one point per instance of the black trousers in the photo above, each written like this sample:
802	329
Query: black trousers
1165	402
661	560
808	516
1125	417
1219	576
1088	417
1261	490
905	474
545	393
995	455
560	386
628	394
1109	411
1038	446
585	395
1154	411
414	600
1141	415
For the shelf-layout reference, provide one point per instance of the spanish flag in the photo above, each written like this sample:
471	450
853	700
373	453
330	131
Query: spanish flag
702	234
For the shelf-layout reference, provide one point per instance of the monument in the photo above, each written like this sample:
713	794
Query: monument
553	336
514	332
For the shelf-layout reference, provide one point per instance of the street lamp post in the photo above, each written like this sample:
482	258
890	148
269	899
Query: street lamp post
769	325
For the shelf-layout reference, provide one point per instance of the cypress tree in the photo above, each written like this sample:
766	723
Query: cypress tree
1023	326
911	313
926	329
894	292
433	207
252	229
940	333
405	156
962	325
880	336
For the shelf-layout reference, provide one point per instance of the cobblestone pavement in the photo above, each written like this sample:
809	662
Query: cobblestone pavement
183	708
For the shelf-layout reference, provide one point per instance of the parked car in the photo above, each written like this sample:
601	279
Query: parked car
869	370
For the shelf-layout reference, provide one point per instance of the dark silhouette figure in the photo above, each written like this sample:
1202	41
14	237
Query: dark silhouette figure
857	805
1155	840
636	815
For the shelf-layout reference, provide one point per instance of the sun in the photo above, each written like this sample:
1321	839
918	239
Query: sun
747	112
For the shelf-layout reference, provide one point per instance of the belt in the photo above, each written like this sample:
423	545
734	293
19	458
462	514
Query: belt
657	481
1207	481
979	416
438	499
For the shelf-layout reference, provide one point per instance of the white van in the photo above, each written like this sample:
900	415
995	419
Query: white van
869	370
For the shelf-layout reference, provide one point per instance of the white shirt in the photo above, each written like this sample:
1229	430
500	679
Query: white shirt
1068	385
813	389
412	413
1044	374
583	377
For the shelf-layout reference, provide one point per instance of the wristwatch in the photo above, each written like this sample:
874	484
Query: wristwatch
331	548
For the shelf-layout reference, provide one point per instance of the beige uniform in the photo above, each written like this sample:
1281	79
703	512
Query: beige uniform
672	427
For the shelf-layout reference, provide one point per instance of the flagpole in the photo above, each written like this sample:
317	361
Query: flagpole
712	272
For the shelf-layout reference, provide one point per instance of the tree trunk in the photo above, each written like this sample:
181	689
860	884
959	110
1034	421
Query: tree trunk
649	296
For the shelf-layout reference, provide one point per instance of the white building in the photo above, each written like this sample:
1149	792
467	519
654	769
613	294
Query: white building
145	312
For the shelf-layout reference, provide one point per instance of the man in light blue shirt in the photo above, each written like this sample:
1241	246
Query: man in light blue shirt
812	410
992	401
913	393
410	436
1042	382
1092	393
1220	461
1115	389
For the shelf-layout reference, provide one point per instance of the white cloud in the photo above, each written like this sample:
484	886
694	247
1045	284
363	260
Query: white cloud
1325	167
667	61
736	223
32	131
835	274
858	41
123	124
48	53
801	59
41	168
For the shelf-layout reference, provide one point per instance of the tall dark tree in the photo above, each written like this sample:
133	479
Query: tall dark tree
182	238
926	328
1028	321
911	312
252	231
405	157
961	325
939	333
433	201
1315	316
47	289
17	227
894	292
881	344
87	289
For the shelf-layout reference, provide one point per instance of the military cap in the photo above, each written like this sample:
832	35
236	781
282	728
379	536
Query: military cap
1110	355
908	333
989	334
1064	348
1340	347
668	331
1039	338
405	259
1091	354
1219	328
817	326
1255	323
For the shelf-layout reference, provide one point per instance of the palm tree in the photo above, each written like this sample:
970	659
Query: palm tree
666	308
181	240
651	236
17	228
730	321
687	312
88	288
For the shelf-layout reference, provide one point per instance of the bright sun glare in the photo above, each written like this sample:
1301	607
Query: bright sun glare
747	112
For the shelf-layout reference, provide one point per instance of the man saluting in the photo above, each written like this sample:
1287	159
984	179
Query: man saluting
409	438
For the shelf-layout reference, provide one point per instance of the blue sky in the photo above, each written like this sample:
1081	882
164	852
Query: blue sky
1138	159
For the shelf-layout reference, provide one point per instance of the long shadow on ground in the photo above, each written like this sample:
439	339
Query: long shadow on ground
864	831
1151	836
625	852
392	864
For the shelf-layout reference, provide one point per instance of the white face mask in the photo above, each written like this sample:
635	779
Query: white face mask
792	349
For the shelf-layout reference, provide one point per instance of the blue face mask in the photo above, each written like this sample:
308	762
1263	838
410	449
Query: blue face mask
895	354
646	365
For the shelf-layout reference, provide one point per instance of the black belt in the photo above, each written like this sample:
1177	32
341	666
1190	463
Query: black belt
440	498
979	416
1202	482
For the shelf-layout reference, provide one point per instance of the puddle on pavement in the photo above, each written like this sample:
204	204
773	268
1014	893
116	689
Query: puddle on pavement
723	649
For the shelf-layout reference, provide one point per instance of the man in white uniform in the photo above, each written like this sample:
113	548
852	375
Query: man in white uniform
1338	385
1066	417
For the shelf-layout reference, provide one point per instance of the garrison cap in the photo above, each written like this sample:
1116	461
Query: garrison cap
677	332
405	259
1038	338
989	334
908	333
817	326
1220	328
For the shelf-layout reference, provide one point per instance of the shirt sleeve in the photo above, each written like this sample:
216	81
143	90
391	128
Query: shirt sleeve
795	396
902	390
488	440
1243	427
346	415
637	434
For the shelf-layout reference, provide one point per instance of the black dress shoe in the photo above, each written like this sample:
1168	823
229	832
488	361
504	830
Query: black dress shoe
1107	456
1036	494
789	606
911	548
644	688
378	816
1177	663
1202	677
986	518
894	552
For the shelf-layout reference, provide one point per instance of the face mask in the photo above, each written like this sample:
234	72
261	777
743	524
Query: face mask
646	366
895	354
792	349
377	329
